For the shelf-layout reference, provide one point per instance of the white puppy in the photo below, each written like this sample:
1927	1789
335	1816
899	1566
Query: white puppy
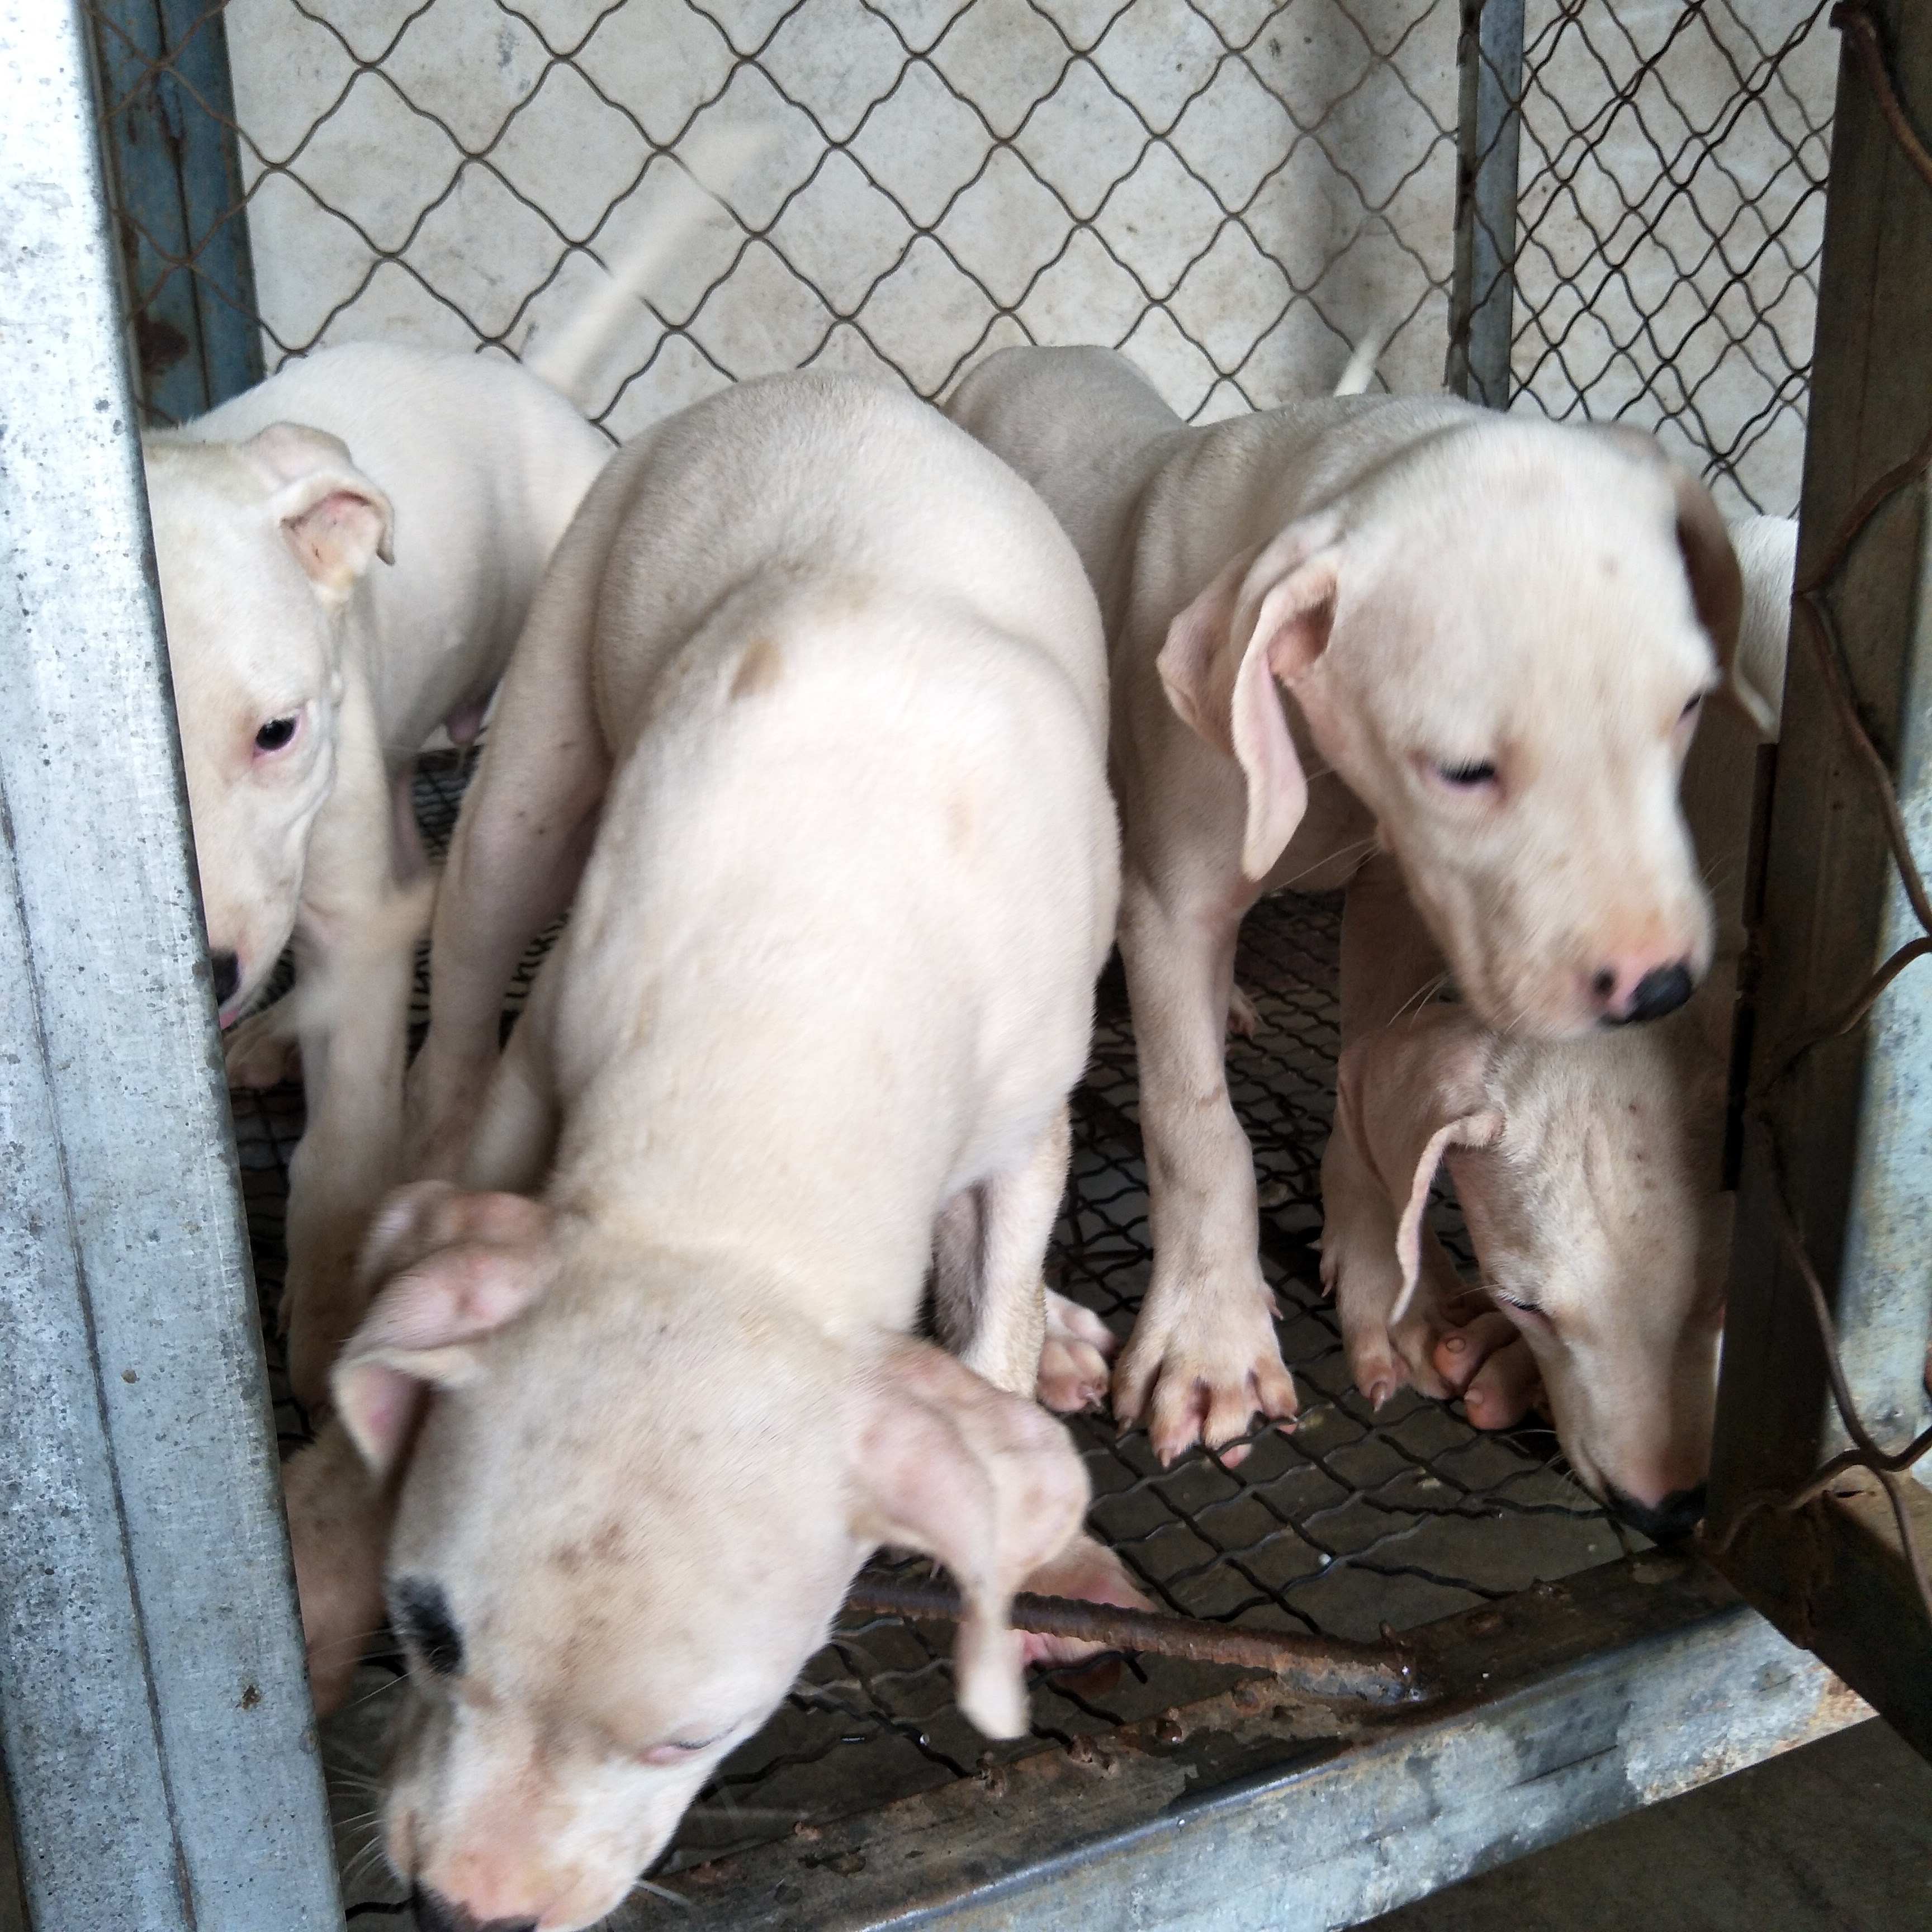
307	677
1589	1172
1346	635
832	683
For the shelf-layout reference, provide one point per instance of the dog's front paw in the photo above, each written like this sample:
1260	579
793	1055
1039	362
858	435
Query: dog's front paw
1073	1370
1489	1365
1244	1018
1375	1363
1087	1571
338	1523
261	1051
323	1299
1198	1368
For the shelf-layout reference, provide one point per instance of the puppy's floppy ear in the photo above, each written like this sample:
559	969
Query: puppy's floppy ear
1767	553
1266	617
454	1267
988	1483
1406	1094
334	518
1717	583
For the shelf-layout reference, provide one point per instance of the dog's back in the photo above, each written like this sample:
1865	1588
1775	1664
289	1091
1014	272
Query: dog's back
855	873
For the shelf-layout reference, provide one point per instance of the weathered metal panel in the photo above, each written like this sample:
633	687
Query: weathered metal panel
154	1707
1838	1128
86	1758
1838	1577
13	1909
1567	1707
168	126
1481	319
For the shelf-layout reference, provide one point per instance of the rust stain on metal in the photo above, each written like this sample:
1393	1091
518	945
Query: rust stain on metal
1331	1667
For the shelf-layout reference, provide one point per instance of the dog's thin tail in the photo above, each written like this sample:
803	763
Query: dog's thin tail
1361	369
565	354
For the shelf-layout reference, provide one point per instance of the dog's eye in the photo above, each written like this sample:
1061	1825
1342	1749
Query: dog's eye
1481	772
683	1748
276	733
420	1612
1691	709
1521	1307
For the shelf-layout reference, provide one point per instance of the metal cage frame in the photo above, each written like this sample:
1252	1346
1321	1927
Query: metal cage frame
153	1706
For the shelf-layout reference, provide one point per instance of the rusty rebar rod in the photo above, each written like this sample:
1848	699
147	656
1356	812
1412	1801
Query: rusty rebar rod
1324	1666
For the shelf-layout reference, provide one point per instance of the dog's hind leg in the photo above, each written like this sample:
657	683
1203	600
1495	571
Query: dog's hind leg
355	939
521	846
515	1138
989	1297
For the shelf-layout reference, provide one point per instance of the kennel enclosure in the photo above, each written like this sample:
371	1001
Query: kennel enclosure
1592	211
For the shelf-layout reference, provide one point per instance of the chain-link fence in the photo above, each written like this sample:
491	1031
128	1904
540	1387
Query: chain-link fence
1235	192
1670	214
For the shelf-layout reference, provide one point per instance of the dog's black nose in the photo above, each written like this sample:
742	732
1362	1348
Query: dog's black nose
227	970
435	1914
1662	990
1670	1521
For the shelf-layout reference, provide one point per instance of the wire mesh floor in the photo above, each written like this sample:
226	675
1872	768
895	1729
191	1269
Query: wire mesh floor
1357	1519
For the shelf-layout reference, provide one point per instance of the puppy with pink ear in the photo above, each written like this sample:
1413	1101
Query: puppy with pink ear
1589	1172
817	684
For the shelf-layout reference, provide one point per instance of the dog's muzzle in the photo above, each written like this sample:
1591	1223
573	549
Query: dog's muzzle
433	1914
1670	1521
1662	990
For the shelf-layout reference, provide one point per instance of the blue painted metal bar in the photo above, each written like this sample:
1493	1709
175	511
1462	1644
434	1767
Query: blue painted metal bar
1482	301
168	123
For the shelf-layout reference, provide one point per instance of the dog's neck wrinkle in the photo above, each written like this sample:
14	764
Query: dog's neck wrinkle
659	1261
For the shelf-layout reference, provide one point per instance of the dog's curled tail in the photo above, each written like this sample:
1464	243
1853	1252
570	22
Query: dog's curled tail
1361	369
565	356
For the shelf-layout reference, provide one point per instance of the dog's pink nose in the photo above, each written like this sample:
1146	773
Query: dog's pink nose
435	1913
1625	993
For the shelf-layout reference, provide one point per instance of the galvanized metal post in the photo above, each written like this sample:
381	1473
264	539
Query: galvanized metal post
1482	301
1838	1128
168	126
155	1720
